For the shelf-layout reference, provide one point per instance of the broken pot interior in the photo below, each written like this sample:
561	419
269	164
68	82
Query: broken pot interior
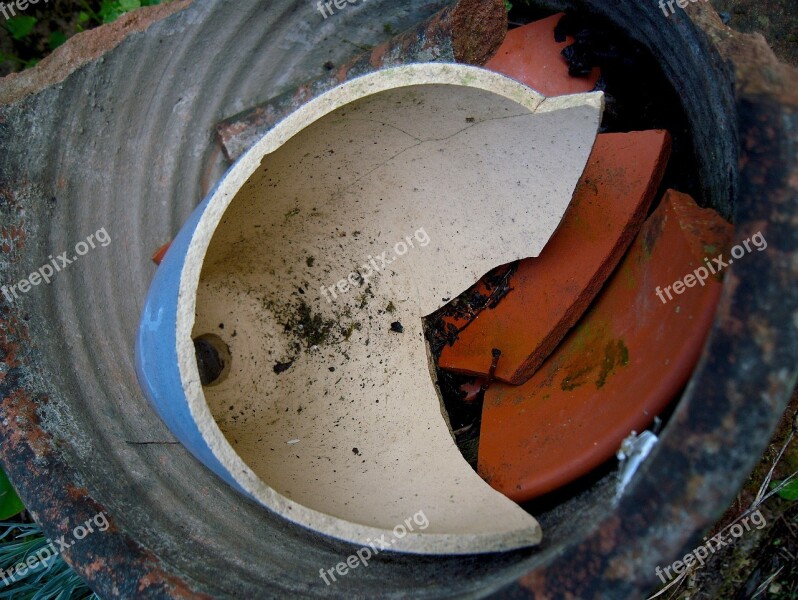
299	287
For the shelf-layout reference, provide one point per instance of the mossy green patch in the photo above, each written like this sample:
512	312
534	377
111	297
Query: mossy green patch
598	357
616	355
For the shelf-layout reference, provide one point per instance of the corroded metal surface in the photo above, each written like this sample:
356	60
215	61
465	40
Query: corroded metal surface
468	32
124	141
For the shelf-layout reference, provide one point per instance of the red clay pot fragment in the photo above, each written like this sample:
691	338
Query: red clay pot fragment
620	367
531	55
549	293
159	254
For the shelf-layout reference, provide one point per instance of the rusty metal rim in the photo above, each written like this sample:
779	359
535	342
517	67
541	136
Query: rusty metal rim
713	430
669	506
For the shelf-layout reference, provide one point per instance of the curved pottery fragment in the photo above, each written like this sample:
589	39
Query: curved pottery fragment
313	263
621	365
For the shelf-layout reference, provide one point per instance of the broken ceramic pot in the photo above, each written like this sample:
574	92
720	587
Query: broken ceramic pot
313	263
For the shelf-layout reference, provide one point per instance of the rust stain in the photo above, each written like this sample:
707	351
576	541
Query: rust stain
57	498
76	493
177	588
376	60
94	567
8	355
21	414
46	483
13	237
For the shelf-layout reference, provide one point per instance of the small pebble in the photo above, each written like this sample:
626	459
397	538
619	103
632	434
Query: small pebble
282	367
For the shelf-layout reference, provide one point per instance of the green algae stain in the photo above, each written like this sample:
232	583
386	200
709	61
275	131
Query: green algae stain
628	275
651	233
576	378
468	79
616	355
588	332
648	246
602	359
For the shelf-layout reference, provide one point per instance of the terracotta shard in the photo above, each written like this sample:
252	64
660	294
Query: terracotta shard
531	55
461	312
621	366
607	210
159	254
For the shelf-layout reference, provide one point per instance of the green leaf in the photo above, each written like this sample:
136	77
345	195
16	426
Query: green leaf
9	58
109	11
128	5
83	16
56	39
21	26
10	504
789	491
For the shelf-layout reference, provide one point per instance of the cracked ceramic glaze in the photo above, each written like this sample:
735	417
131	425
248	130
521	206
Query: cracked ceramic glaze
329	414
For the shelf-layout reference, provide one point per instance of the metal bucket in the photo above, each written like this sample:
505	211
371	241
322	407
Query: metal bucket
119	137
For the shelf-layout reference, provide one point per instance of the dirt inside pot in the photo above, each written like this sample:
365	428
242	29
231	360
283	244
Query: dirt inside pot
324	264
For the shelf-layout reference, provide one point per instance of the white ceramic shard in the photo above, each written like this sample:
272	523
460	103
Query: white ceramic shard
471	168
